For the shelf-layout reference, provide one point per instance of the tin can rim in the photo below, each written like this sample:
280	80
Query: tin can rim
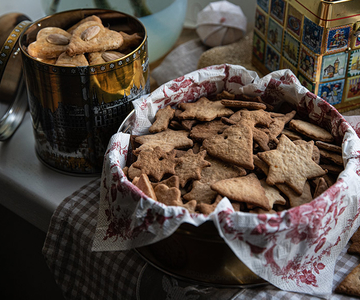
16	110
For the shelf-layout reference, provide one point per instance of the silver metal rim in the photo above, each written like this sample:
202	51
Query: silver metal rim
14	115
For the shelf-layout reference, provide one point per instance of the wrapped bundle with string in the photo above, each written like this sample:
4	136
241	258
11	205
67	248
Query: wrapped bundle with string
221	23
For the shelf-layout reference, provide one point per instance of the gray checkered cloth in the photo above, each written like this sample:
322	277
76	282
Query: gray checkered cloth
83	274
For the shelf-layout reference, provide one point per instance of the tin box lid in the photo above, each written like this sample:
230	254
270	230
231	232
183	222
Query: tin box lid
13	100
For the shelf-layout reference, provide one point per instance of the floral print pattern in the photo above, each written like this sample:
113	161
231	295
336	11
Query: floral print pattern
296	249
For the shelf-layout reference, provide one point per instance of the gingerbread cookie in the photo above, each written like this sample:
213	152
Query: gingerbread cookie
203	110
242	104
292	135
162	119
272	194
329	147
207	209
144	184
294	198
333	169
291	164
166	140
190	165
332	157
351	284
156	163
168	196
243	189
225	95
253	119
218	170
321	187
311	130
278	124
316	152
234	145
206	130
172	181
355	243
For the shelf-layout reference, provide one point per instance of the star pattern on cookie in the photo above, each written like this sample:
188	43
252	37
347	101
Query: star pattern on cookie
156	163
291	164
190	165
204	110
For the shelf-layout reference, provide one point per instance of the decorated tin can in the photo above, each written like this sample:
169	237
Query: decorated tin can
75	110
318	40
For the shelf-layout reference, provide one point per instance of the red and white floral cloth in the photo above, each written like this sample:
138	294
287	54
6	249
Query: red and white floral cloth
295	250
85	274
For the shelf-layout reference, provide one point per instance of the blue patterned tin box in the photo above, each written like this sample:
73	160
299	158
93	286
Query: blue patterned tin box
318	40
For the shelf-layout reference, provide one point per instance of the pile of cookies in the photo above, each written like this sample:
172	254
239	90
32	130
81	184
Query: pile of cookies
237	147
86	43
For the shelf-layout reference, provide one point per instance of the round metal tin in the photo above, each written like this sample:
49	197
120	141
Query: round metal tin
76	110
199	254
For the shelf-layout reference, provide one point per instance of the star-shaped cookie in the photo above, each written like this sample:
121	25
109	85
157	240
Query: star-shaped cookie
166	140
204	110
190	165
291	164
156	163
